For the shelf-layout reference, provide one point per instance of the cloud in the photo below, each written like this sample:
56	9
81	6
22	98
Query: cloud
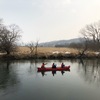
1	2
66	2
74	11
51	3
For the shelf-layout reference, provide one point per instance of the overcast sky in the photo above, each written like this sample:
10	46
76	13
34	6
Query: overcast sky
48	20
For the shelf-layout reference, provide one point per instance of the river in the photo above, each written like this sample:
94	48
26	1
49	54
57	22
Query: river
19	80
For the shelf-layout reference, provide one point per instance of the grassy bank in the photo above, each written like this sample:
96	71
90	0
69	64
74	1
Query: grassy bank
48	53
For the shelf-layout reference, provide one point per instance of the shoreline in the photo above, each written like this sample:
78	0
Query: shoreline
50	57
23	53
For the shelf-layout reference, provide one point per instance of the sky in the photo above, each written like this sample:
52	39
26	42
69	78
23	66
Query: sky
49	20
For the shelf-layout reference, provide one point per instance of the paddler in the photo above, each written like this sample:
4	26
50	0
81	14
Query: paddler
43	65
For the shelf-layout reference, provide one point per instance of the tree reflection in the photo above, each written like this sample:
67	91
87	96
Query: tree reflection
7	75
90	70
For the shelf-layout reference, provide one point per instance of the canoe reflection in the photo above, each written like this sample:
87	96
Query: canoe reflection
53	72
62	72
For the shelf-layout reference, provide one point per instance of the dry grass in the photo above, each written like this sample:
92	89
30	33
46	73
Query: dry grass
46	50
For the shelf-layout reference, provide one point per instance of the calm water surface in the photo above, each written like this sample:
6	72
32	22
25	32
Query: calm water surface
19	80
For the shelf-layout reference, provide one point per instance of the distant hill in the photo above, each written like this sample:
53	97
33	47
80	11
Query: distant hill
61	42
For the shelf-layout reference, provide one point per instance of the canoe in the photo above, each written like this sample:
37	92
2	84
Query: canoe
66	68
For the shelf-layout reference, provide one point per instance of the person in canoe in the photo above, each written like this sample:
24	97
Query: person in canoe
43	65
53	65
62	65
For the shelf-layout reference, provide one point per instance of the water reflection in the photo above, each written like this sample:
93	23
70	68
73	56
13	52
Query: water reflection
43	73
8	78
7	75
89	70
26	83
53	72
62	72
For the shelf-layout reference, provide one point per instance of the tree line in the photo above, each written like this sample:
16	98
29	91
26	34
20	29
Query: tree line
91	35
10	35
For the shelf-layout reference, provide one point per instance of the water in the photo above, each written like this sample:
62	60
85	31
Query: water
19	80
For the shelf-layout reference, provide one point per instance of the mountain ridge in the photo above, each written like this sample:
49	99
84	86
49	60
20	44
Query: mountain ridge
61	42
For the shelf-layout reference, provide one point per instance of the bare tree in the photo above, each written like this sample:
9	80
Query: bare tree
31	46
36	46
92	35
9	37
92	32
81	47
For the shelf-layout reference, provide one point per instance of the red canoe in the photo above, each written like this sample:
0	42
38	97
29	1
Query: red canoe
66	68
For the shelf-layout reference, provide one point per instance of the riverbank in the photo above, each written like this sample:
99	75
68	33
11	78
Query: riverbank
48	53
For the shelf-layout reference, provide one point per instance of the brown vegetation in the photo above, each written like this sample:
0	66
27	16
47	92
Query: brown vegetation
48	53
46	50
